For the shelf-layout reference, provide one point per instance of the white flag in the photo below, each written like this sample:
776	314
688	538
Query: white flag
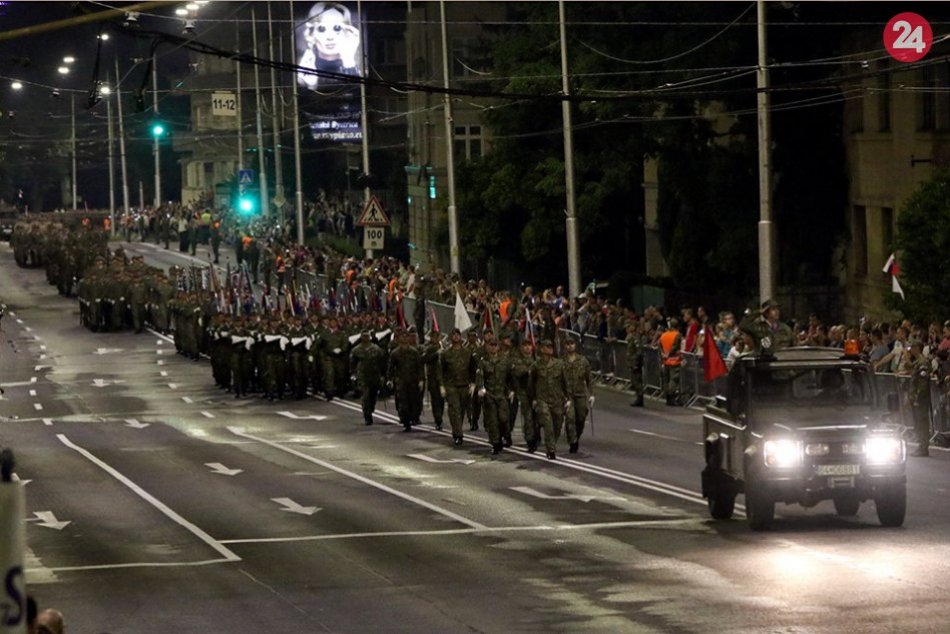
462	321
896	287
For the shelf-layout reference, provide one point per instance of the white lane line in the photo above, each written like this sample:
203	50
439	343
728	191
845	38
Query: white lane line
187	399
28	329
32	379
621	476
38	407
160	362
48	421
465	531
663	436
144	564
42	357
32	392
207	414
19	321
382	487
43	347
226	552
163	373
173	386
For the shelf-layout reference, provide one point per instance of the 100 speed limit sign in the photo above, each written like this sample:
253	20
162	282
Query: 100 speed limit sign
373	237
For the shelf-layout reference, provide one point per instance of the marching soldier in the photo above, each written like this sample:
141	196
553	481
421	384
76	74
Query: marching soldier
458	376
432	357
474	405
579	392
549	395
495	388
407	376
367	360
215	238
521	363
335	345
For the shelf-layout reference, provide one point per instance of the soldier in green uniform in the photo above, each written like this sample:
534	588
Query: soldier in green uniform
636	344
367	361
495	388
297	362
335	345
579	392
766	330
549	395
920	398
431	354
474	405
458	376
521	362
406	374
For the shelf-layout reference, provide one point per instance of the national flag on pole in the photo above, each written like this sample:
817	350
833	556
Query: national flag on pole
891	268
400	314
462	321
713	365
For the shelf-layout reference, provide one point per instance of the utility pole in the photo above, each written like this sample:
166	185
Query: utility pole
298	183
239	113
111	155
261	163
449	152
155	140
275	125
766	227
364	119
125	175
573	241
72	105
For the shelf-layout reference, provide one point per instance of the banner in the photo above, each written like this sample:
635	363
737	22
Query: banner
329	43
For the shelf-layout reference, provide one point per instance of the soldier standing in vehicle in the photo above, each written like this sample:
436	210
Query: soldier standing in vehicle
579	393
768	332
920	397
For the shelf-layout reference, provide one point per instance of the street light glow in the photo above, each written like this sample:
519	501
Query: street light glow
192	6
104	37
69	59
63	70
15	85
105	90
181	11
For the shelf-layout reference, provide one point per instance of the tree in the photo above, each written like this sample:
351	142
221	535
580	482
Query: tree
923	235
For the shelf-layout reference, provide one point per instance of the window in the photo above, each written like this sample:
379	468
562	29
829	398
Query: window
468	142
887	230
388	52
860	241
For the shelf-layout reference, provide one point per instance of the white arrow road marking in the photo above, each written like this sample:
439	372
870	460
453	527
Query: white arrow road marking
48	520
16	478
32	392
568	496
425	458
47	421
107	350
132	422
306	417
292	507
106	382
38	407
220	469
163	373
161	363
173	386
187	399
207	414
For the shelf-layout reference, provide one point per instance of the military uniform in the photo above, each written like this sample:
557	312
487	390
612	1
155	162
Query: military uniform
493	379
635	349
474	405
767	335
521	364
548	395
458	375
407	375
920	402
431	355
579	393
367	361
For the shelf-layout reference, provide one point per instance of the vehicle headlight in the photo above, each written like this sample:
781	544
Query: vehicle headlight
886	450
782	453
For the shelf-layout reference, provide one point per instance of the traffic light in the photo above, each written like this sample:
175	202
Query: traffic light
157	129
247	203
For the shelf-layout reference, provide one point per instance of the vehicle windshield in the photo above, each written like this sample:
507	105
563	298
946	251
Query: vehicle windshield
831	387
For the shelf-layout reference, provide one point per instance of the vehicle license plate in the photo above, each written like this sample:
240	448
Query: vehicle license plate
839	469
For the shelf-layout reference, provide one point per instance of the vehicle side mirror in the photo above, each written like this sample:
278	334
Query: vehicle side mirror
893	402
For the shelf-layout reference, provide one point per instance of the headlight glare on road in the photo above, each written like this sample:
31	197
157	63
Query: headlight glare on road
886	450
782	453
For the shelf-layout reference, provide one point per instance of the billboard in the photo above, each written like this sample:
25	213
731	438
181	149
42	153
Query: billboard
329	42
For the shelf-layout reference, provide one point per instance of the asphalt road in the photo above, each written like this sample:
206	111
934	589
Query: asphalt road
157	503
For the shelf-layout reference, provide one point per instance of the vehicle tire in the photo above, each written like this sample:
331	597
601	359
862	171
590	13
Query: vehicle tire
722	505
891	503
847	505
759	507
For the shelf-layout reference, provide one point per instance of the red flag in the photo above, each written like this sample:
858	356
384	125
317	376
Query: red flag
713	365
435	322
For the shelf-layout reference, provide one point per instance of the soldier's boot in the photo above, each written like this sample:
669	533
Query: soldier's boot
551	456
457	440
637	402
438	425
496	449
574	446
532	446
368	419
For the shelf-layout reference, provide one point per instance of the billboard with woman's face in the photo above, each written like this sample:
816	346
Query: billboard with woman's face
330	45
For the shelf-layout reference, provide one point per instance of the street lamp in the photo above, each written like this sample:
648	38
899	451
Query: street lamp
69	59
16	85
63	70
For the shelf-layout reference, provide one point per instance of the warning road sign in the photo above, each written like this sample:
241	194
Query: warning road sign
373	215
245	177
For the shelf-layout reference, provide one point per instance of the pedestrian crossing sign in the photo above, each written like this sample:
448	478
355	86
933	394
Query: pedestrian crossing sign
373	215
245	177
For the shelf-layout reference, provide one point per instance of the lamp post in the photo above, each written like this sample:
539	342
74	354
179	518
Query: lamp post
125	175
156	137
105	91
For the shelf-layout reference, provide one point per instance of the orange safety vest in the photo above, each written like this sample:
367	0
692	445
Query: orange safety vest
671	352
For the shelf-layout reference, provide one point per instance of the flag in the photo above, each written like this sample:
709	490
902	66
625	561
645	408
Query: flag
462	321
529	326
487	321
891	268
713	365
435	322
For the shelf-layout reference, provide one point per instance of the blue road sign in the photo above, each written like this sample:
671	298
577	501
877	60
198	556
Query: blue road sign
245	177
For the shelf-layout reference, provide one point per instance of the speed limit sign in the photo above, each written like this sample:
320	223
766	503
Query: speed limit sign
373	238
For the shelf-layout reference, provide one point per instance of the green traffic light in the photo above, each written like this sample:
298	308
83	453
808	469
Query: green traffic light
246	205
158	129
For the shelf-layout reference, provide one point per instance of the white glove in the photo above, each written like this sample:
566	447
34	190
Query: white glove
442	391
590	400
422	384
567	404
471	388
511	396
337	351
482	392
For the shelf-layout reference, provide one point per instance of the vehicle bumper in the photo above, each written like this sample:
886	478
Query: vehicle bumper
810	488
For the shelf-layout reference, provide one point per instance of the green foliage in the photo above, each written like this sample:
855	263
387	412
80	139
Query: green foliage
923	236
